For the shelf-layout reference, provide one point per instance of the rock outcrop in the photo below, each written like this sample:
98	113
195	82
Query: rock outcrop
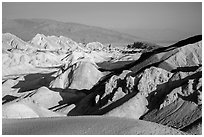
81	75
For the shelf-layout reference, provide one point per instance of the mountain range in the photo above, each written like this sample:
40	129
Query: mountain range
26	29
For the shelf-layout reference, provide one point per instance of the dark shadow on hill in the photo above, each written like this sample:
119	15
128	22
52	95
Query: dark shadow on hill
147	55
157	97
186	69
85	106
108	65
113	105
179	113
192	125
34	81
53	67
8	98
69	96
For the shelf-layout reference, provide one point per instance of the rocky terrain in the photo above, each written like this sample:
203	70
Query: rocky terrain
56	77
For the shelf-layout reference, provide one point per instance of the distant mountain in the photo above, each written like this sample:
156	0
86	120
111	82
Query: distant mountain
26	29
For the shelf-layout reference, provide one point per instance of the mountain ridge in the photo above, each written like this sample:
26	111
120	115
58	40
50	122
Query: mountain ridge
28	28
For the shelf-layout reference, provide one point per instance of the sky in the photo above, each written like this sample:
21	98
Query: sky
148	19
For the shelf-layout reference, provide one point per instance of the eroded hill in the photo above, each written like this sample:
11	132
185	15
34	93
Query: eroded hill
54	76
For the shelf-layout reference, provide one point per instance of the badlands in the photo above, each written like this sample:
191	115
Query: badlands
54	85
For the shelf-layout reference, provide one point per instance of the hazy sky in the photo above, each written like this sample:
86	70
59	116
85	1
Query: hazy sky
182	17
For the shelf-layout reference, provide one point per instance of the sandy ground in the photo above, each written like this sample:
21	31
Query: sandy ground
84	125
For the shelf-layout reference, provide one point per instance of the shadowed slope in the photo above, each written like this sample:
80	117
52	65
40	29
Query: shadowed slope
86	104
